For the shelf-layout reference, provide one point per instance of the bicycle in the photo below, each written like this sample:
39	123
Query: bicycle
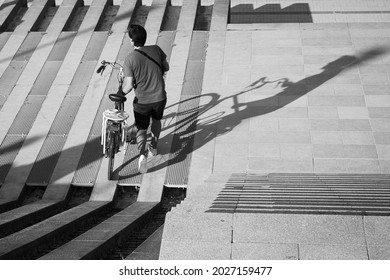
114	125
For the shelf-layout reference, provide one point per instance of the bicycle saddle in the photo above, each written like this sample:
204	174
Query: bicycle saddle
117	97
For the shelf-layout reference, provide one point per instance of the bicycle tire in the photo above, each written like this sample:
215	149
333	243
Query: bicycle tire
111	155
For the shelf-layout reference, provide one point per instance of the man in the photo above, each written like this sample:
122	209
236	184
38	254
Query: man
143	71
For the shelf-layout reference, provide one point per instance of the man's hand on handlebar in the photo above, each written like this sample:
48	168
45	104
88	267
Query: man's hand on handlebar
120	92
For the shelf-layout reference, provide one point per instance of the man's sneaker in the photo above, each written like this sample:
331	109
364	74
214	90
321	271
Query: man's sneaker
142	164
152	150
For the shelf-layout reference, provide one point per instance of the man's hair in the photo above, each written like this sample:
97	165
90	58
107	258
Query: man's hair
138	34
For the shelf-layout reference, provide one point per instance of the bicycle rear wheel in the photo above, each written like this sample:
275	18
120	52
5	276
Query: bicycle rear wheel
111	155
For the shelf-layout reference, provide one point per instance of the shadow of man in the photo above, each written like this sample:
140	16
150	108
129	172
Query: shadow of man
206	127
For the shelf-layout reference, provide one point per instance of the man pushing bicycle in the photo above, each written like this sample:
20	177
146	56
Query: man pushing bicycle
143	71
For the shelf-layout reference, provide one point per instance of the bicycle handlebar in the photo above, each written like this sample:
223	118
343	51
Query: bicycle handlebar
114	65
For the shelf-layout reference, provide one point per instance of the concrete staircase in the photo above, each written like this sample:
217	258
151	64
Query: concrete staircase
222	118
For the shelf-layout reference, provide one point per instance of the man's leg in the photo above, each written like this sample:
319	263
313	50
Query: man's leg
141	141
142	123
157	114
155	131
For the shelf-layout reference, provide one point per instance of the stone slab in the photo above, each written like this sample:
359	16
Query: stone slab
332	252
347	166
302	229
194	250
345	151
376	229
378	252
208	227
264	251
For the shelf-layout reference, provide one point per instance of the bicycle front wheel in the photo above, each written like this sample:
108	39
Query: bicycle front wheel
111	155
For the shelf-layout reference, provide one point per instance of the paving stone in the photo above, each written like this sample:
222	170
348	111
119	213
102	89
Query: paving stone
266	165
265	100
378	101
378	252
339	125
232	137
355	125
264	150
372	69
297	137
376	230
322	112
285	112
323	59
358	138
326	137
353	113
380	124
332	252
235	125
231	149
346	165
383	151
375	79
209	227
385	166
382	138
332	41
320	90
194	250
302	229
328	50
296	151
264	251
344	151
294	124
263	124
349	90
354	101
230	163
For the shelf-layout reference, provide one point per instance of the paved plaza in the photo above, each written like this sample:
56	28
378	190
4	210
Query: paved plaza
262	88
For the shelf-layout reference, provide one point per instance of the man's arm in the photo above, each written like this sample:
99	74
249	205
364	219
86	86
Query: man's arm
127	85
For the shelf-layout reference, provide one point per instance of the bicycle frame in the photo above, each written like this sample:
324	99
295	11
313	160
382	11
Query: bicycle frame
114	121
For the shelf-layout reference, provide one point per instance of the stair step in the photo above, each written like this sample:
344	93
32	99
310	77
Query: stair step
150	248
98	240
26	215
28	241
